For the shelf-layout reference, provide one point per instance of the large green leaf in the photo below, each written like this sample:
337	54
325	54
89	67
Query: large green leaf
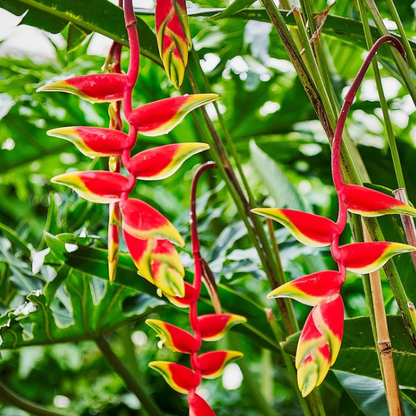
85	308
358	353
92	16
93	261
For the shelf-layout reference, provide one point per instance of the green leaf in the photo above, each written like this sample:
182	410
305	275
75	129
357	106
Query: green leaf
276	181
91	16
87	307
234	7
75	37
93	261
358	354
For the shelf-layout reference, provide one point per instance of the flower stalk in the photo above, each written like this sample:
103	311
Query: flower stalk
320	340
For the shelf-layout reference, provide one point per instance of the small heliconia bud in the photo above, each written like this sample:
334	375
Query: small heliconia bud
368	257
113	239
187	300
98	186
93	141
173	37
329	319
94	88
142	221
370	203
174	338
163	161
213	327
312	357
309	229
198	406
311	289
167	279
180	378
312	371
140	251
160	117
212	364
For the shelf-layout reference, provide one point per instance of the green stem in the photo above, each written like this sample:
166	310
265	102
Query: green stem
252	385
398	58
9	396
129	352
383	102
131	383
404	39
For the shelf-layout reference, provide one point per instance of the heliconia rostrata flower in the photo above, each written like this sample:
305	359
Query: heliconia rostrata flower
173	37
211	327
149	236
321	337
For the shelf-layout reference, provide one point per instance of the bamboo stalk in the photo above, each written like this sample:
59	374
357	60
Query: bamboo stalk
384	343
408	223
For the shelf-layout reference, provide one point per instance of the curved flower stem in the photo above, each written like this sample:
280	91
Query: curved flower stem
9	396
131	383
383	102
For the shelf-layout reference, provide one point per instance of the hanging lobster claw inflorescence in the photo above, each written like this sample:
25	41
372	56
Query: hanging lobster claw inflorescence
210	327
320	340
149	236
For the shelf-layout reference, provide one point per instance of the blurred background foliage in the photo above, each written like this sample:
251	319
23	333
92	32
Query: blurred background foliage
286	157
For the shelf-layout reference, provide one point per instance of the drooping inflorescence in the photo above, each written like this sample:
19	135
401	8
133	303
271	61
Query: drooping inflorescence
149	236
321	337
211	327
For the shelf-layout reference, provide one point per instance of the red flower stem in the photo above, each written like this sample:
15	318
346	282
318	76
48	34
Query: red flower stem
132	75
349	98
193	313
336	148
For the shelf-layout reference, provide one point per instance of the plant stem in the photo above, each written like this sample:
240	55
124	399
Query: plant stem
252	385
408	223
404	39
129	354
383	102
394	402
131	383
9	396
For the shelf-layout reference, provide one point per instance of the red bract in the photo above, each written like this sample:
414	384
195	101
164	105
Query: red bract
321	336
212	364
93	141
198	406
160	117
95	88
309	229
163	161
96	186
370	203
214	327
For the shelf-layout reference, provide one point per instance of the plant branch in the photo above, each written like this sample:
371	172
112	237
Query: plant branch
10	396
131	383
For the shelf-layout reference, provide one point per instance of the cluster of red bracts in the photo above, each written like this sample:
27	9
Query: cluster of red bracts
321	337
149	236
